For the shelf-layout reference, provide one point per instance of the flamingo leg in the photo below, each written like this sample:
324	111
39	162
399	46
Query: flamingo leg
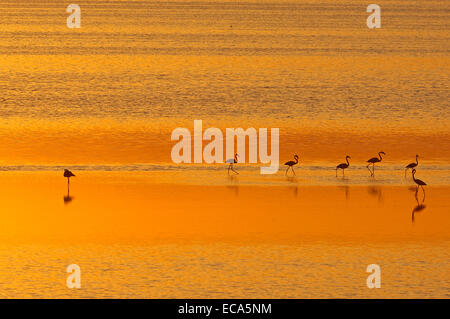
233	169
293	170
229	166
287	170
343	172
373	169
369	169
336	172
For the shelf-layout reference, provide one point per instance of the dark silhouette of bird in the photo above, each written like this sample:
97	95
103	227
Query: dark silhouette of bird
291	164
343	166
374	160
68	174
232	161
419	208
412	165
419	182
375	191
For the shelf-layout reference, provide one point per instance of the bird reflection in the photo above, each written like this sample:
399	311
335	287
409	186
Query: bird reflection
419	208
376	192
68	198
234	186
294	187
346	189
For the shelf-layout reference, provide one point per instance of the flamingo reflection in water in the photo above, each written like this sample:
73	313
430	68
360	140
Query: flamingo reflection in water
419	208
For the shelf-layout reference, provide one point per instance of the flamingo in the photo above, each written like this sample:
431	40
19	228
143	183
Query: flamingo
68	174
418	182
290	164
232	161
374	160
412	165
343	166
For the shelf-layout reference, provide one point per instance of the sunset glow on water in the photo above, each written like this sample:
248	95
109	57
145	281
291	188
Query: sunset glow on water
104	99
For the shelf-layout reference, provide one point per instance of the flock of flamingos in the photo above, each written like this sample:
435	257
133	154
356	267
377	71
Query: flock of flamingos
343	166
290	166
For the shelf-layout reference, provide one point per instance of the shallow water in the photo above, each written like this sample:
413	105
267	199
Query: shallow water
135	237
310	270
104	99
216	174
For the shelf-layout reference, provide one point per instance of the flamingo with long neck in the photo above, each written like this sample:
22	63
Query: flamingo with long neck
232	161
374	160
420	183
343	166
412	165
290	164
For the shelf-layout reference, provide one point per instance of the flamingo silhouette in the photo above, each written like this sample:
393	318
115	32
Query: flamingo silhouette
68	174
232	161
412	165
419	183
374	160
343	166
290	164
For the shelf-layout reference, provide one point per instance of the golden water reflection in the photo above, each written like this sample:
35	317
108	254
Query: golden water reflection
133	237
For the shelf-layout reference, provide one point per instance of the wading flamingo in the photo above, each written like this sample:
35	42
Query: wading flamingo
291	164
343	166
68	174
374	160
412	165
418	182
232	161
